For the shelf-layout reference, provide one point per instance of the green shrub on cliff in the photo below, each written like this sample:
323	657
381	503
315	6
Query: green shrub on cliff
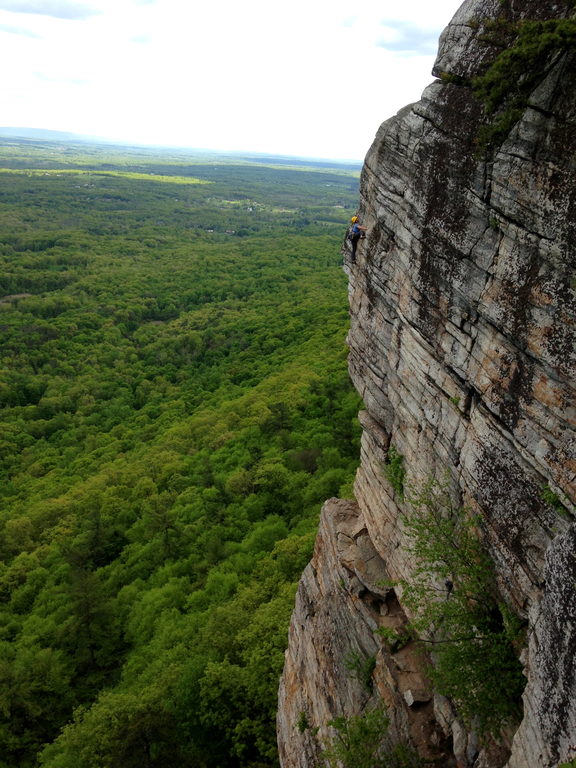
505	87
394	471
518	69
362	741
473	635
361	667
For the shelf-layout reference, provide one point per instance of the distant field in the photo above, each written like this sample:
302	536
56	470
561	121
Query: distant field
119	174
24	151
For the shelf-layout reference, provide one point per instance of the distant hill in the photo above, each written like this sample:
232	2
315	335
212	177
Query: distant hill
41	133
44	134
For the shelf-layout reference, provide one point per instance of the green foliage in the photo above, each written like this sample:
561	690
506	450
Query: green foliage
529	50
174	408
571	764
361	667
519	67
394	471
395	639
495	132
302	723
475	638
363	742
552	499
449	77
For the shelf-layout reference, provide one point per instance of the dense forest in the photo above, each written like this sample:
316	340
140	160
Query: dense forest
174	408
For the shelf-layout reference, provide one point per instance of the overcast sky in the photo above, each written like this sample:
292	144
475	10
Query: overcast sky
313	78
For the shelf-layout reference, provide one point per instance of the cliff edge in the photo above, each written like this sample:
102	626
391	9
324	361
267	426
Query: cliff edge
462	301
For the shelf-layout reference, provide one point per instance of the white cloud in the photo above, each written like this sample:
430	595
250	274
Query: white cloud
311	78
10	30
408	38
61	9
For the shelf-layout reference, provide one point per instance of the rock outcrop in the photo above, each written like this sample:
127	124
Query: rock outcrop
335	661
463	304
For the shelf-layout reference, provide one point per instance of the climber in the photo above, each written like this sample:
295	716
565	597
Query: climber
356	233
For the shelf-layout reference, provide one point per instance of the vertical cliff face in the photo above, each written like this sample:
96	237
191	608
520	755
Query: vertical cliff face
462	347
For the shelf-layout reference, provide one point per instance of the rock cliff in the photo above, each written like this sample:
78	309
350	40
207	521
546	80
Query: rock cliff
462	335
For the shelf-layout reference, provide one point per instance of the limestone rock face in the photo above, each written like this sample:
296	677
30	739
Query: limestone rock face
462	346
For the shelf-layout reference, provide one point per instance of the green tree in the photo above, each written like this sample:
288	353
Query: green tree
452	593
362	741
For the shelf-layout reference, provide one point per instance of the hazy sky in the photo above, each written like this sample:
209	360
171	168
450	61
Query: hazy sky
298	77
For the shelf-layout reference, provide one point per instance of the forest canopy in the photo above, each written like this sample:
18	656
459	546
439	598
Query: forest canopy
174	408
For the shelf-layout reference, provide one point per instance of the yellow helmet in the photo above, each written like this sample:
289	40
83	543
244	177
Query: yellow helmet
354	219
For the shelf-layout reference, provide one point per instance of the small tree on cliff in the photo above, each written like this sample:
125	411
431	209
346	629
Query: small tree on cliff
453	596
363	741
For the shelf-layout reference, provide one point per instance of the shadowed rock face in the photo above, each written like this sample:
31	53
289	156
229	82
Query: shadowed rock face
336	663
462	337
